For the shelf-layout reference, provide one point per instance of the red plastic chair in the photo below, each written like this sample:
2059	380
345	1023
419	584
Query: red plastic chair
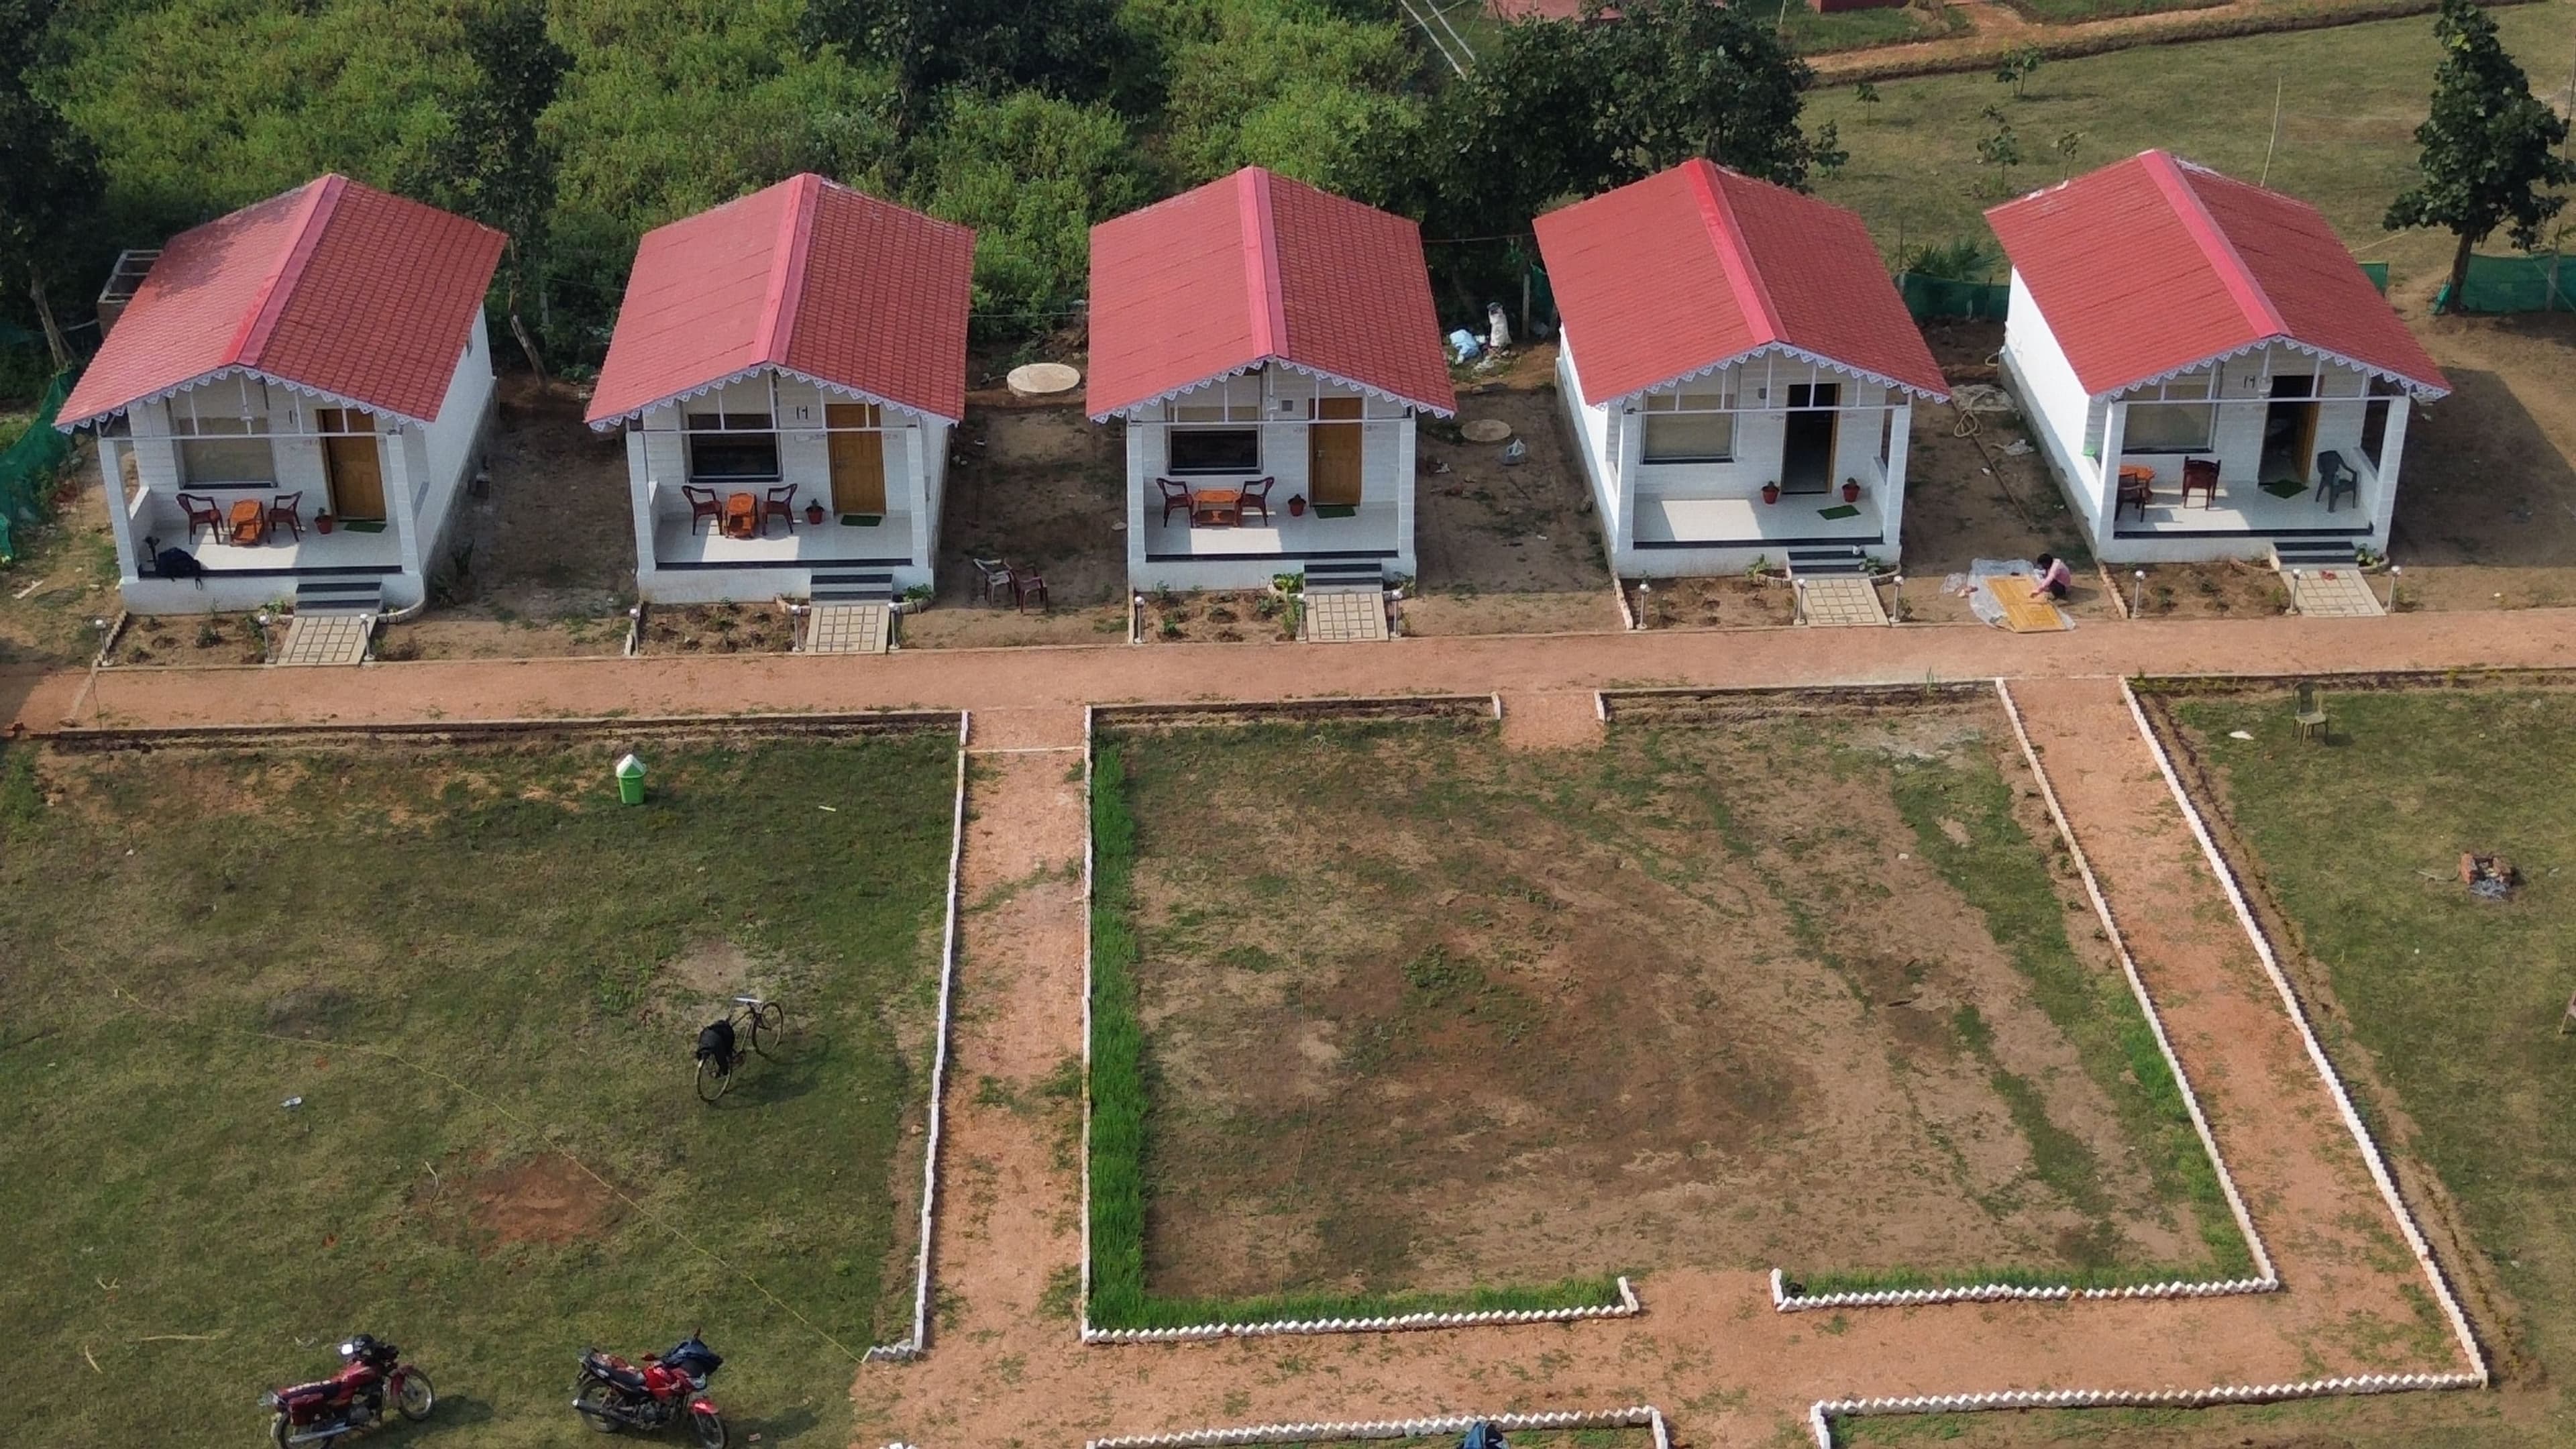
202	513
1256	494
2200	474
281	514
1176	495
779	502
1027	584
704	506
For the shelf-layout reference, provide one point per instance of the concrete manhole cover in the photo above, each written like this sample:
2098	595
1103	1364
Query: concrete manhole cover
1044	379
1485	430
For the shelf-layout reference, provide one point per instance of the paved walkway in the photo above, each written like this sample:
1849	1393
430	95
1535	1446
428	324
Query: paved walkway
987	679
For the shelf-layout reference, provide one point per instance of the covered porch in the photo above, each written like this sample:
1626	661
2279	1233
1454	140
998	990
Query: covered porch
680	544
1797	520
1370	531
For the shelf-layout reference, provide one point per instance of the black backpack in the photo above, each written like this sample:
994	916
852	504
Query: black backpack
715	1042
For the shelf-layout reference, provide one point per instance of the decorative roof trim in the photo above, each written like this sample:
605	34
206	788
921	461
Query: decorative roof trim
326	397
1169	394
636	413
2414	387
1782	349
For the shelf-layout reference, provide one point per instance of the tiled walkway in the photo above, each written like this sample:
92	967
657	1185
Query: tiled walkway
325	639
848	629
1843	603
2335	594
1345	616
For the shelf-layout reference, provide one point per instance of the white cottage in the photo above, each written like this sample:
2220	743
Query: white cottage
290	403
1739	372
2208	371
1269	347
788	367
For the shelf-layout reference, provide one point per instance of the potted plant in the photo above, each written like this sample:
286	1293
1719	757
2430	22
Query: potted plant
323	522
1851	490
814	513
1770	492
1296	505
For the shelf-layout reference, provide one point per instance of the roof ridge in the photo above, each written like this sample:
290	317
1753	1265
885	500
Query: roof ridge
315	210
2205	233
787	273
1262	294
1743	276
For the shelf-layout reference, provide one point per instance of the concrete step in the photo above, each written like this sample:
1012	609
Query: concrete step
843	586
339	596
1826	562
2314	553
1345	576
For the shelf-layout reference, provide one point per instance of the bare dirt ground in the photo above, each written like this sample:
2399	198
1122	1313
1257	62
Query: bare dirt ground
2486	505
1227	616
1408	998
1506	550
1041	487
64	577
544	563
1995	28
1716	603
195	639
735	628
2227	590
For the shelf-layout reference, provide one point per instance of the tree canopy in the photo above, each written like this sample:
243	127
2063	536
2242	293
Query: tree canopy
48	176
2489	147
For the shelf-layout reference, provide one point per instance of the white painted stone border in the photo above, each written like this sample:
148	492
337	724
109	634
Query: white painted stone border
1643	1416
1820	1416
2370	1154
1628	1305
2267	1279
912	1347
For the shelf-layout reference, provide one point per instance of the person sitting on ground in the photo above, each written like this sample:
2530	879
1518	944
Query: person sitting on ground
2053	578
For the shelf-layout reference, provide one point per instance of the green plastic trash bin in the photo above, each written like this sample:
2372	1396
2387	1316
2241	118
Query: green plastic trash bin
630	781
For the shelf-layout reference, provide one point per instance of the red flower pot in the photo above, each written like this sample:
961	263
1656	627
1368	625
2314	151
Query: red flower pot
1851	491
1770	492
323	522
814	514
1296	505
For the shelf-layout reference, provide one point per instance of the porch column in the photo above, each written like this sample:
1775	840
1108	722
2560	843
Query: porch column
1404	486
1135	502
1891	489
1623	466
916	478
402	507
120	521
2106	472
639	474
2392	451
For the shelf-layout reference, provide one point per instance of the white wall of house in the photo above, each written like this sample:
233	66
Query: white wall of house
1871	419
1278	401
916	465
2075	429
439	458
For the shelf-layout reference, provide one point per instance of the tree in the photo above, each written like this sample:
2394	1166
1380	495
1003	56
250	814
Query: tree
1068	48
2000	148
2018	65
493	164
2489	147
1031	173
48	174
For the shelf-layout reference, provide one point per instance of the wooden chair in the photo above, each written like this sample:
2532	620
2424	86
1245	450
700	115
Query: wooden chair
202	513
2308	712
2137	487
996	576
1027	584
1256	494
282	514
1176	495
779	502
2337	479
2200	475
704	506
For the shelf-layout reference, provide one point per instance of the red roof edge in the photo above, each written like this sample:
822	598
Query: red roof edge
2242	289
787	283
312	216
1261	262
1751	297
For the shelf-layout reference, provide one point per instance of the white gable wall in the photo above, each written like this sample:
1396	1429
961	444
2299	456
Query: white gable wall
2065	419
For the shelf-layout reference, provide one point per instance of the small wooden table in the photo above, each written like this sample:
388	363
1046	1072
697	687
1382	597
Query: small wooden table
2137	485
1216	507
250	521
741	515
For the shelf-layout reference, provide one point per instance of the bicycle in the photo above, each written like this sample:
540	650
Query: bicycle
721	1051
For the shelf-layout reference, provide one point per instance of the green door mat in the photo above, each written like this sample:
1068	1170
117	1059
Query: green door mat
364	525
1336	510
861	520
1839	510
2285	488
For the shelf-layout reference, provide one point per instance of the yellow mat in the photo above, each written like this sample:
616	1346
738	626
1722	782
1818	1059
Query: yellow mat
2022	613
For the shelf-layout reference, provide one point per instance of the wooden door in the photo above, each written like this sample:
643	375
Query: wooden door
354	464
858	459
1333	452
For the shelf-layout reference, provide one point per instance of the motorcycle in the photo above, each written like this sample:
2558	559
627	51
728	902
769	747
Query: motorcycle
352	1399
612	1394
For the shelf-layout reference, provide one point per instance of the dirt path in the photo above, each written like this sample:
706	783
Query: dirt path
1994	28
1005	1369
1061	677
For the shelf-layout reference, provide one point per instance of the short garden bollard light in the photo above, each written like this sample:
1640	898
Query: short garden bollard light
2138	594
1897	613
630	781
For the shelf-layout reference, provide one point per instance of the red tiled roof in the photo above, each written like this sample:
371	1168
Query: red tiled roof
1698	266
1255	268
334	287
807	276
2152	266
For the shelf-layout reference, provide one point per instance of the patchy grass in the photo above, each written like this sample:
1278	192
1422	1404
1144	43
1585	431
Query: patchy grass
2351	99
1376	1006
481	978
2457	1001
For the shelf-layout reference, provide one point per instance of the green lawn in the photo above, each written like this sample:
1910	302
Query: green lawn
2065	11
2351	99
475	971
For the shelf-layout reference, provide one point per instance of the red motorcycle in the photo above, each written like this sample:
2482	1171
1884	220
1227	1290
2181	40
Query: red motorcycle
350	1400
612	1394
